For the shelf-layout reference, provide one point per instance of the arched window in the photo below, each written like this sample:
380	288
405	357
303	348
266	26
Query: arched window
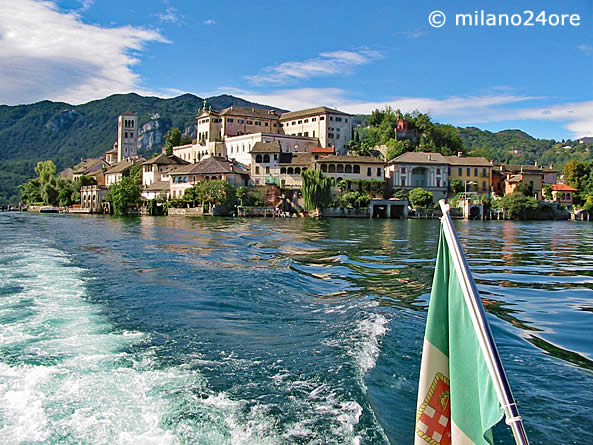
348	169
324	168
356	169
332	168
266	159
258	159
290	172
297	171
340	169
283	171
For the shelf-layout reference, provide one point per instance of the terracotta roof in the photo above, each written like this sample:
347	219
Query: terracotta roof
474	161
329	150
299	158
157	186
267	147
518	168
419	157
163	159
311	112
351	159
89	166
210	165
563	188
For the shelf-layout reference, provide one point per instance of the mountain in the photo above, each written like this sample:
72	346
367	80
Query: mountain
518	147
66	133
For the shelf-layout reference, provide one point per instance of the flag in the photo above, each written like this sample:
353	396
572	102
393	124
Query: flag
457	400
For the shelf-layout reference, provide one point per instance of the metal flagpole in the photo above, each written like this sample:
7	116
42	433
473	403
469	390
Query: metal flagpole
483	333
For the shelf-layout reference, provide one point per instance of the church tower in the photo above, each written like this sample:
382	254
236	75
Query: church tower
127	135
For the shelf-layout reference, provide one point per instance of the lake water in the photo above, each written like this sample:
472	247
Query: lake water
261	331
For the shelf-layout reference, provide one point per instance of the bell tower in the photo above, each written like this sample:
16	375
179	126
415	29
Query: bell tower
127	135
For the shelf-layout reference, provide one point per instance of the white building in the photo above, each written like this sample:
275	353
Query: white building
418	169
333	128
127	135
235	121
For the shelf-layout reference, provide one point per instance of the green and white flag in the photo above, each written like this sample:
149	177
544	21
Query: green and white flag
457	399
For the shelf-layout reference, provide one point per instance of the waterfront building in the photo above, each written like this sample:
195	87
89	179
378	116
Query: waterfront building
418	169
474	172
563	193
333	128
91	198
116	172
511	175
212	168
157	169
265	163
92	167
351	168
292	165
127	135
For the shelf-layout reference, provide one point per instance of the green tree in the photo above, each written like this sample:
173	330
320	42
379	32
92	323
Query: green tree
45	170
399	193
136	174
420	198
588	206
31	192
172	139
519	206
397	148
547	192
316	189
455	186
123	194
524	189
242	194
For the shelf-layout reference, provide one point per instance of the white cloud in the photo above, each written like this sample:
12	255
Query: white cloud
328	63
170	16
209	22
459	110
48	54
587	49
86	4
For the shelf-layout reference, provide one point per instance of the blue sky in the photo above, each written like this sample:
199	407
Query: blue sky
353	55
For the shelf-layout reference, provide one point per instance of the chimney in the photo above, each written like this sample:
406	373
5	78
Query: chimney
551	166
492	162
429	158
536	164
459	154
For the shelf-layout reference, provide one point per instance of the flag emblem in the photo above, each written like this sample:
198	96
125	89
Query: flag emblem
433	419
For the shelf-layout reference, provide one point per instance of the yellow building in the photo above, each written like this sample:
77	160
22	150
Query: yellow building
476	172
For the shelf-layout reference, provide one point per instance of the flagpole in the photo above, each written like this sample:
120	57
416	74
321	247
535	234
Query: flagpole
483	333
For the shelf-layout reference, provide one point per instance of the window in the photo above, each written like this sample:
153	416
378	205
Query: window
275	157
306	134
240	121
290	171
258	159
404	170
293	122
299	122
249	122
267	170
297	171
340	168
321	118
356	169
369	172
332	168
230	120
449	171
483	186
438	171
306	121
348	169
331	118
313	119
330	128
324	168
403	182
266	159
460	172
476	172
379	173
438	182
299	134
330	135
274	125
338	119
313	133
345	119
468	171
484	172
258	123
